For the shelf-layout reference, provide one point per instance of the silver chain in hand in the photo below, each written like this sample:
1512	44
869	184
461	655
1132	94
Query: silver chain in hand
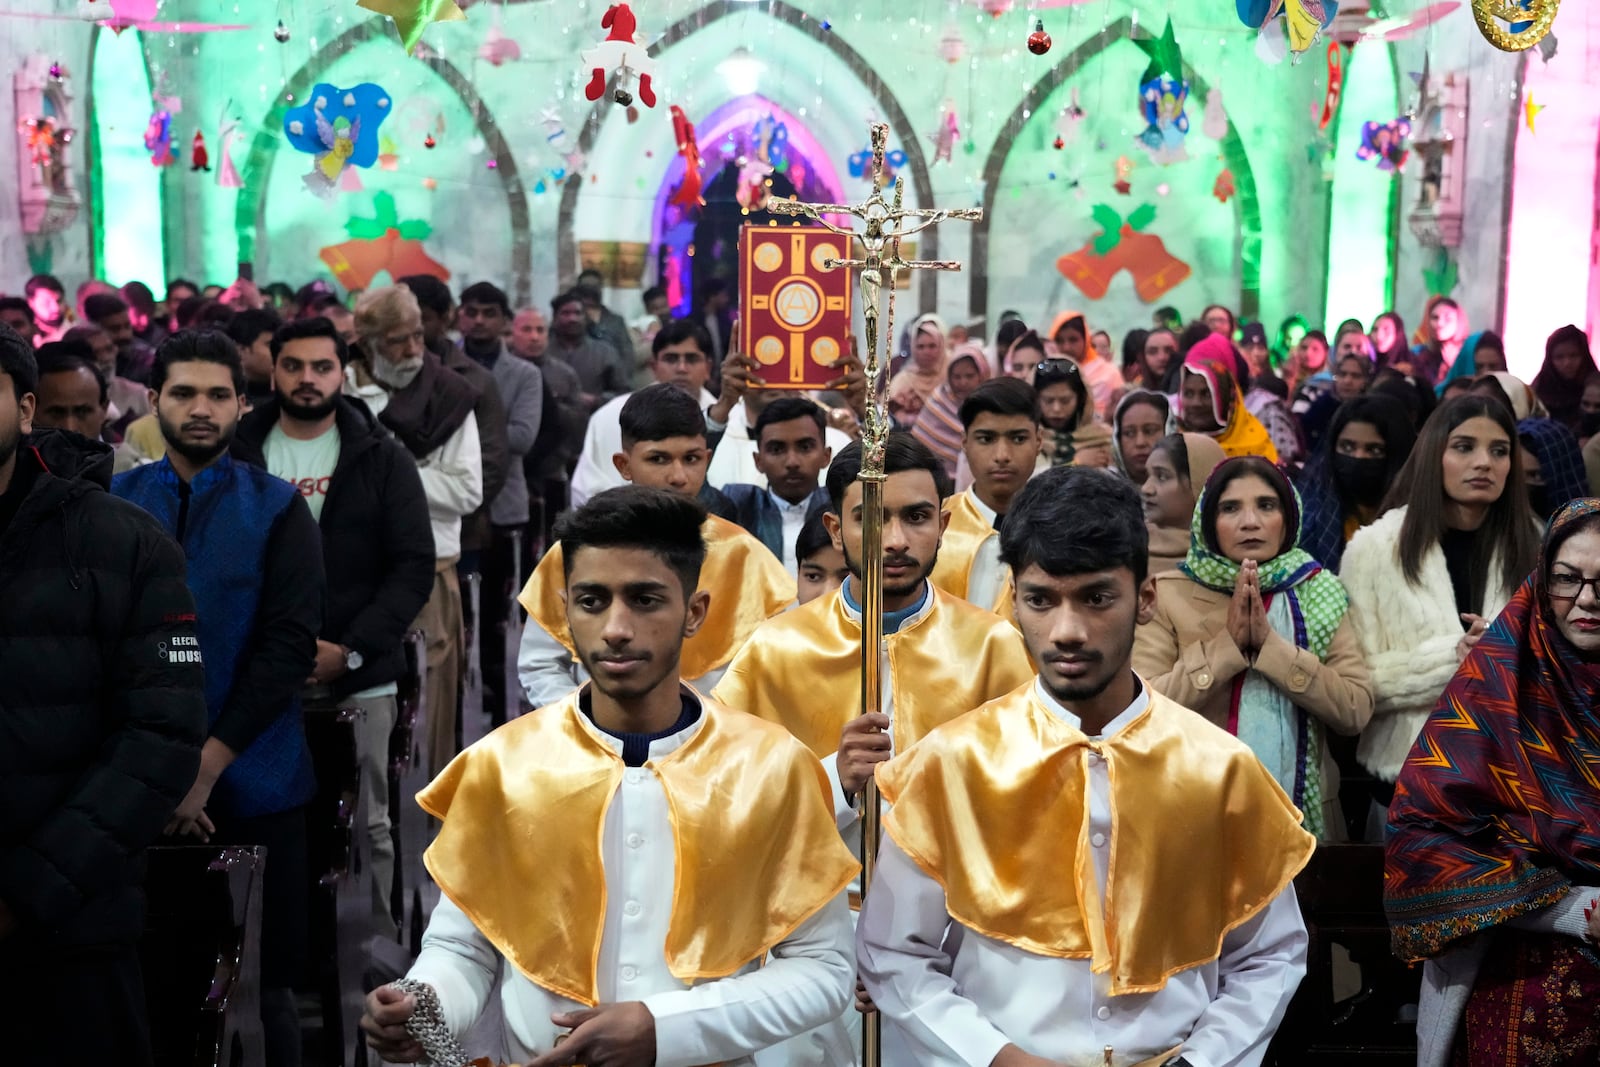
427	1025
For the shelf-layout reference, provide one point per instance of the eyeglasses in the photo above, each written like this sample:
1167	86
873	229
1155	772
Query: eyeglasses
1058	366
1565	586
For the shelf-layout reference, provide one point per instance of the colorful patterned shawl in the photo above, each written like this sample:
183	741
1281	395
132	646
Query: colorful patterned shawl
1494	814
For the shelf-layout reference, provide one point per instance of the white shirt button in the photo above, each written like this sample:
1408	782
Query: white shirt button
635	777
635	840
630	973
1094	757
631	908
1103	1013
1098	841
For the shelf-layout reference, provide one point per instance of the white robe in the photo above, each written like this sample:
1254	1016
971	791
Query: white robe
807	978
952	997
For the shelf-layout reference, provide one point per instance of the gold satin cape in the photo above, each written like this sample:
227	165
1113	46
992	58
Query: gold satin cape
994	807
958	548
802	669
746	581
524	811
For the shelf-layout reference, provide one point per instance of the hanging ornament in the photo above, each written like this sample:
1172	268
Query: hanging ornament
687	194
340	128
227	173
428	141
497	48
1215	123
1123	184
411	17
1224	187
1163	92
770	141
1330	99
199	159
952	46
1038	40
1070	124
1385	142
861	164
1059	143
281	34
57	72
1530	112
619	53
947	133
1303	22
158	138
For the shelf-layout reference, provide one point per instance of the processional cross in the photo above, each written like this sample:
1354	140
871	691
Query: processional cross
888	222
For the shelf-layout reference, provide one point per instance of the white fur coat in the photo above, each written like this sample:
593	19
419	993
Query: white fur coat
1408	634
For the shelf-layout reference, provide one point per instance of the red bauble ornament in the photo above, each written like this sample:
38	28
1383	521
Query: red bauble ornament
1038	40
1060	144
428	141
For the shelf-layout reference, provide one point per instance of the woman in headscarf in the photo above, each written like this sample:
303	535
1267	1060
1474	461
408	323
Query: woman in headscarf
1072	436
1251	632
1552	464
1389	342
1482	353
1439	338
1210	401
1174	475
938	425
1023	352
1568	368
1514	391
1493	851
923	374
1342	485
1070	334
1132	357
1139	424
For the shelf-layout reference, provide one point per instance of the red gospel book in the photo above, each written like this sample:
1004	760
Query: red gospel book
794	313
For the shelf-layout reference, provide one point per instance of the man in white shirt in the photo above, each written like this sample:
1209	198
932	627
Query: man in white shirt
690	908
731	420
790	454
363	489
680	356
429	408
1000	441
663	447
1023	945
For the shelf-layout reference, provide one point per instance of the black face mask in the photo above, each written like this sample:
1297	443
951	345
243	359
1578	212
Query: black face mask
1363	479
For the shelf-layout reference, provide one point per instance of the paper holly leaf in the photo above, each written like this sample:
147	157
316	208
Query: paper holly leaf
1142	216
1110	223
386	218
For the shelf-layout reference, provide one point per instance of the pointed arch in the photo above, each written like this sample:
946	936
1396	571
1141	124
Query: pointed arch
1249	205
257	170
709	15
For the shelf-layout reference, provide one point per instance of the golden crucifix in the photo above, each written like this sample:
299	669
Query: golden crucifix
888	222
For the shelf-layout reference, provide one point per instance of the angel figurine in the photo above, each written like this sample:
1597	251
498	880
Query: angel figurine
339	138
621	53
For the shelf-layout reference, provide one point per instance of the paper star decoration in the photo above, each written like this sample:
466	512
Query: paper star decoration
412	16
1165	56
1530	111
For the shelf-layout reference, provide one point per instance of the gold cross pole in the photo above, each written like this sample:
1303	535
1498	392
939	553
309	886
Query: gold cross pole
888	222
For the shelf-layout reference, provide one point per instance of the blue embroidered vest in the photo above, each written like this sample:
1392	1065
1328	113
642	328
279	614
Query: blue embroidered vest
232	510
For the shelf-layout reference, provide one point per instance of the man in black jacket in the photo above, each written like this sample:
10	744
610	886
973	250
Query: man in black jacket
102	711
377	548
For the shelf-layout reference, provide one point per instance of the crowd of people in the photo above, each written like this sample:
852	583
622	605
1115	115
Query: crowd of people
1160	618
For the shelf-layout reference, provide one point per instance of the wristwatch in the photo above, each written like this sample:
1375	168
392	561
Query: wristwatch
1176	1061
352	659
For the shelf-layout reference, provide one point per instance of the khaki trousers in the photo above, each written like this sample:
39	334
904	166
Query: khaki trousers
441	621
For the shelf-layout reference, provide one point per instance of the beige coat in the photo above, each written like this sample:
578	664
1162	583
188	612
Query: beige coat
1186	654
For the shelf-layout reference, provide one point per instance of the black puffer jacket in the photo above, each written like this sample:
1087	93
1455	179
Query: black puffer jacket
102	697
377	542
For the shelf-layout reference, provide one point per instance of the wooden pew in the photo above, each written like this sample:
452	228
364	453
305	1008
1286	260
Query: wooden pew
408	773
201	955
336	833
1341	897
